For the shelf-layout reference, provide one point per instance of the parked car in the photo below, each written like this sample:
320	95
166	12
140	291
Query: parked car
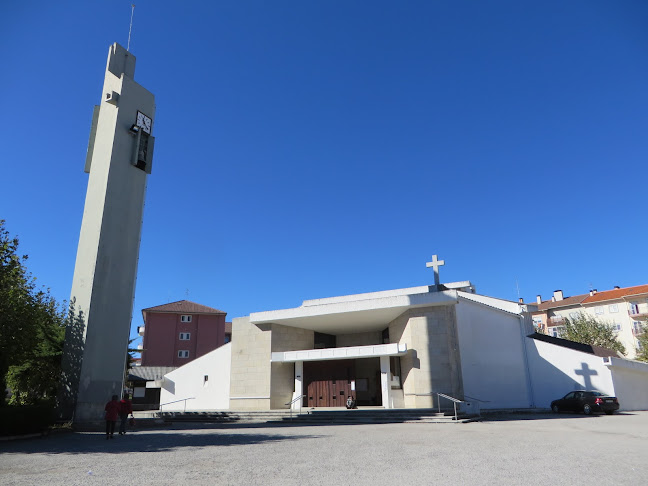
585	401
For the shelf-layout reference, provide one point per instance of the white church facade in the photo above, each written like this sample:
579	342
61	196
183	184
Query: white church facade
397	349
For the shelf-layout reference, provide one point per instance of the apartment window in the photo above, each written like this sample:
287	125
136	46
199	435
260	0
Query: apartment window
185	336
616	326
613	308
183	353
599	310
185	318
573	315
634	308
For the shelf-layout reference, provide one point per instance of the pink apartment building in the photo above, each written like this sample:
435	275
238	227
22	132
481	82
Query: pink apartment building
176	333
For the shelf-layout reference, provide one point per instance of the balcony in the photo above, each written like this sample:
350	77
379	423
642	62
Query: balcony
140	330
638	311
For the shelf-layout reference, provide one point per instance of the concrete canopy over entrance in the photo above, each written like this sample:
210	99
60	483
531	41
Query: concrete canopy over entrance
355	313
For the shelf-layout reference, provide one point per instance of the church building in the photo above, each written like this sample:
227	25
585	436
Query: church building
398	349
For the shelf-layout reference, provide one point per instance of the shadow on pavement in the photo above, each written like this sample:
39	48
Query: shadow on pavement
144	441
515	416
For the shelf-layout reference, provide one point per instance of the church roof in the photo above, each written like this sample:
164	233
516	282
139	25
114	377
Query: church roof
583	348
616	294
184	307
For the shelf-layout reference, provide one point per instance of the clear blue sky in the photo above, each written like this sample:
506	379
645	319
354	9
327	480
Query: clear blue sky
313	149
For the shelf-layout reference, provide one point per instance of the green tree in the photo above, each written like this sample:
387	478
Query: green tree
35	377
642	350
32	330
588	330
16	288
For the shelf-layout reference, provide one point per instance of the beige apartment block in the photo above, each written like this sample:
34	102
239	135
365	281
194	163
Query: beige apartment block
624	309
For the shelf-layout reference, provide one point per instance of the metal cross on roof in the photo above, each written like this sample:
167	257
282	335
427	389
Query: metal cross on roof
435	264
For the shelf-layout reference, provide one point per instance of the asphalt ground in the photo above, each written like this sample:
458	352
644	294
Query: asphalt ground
524	449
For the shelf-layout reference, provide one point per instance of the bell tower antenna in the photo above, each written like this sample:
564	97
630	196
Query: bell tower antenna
131	26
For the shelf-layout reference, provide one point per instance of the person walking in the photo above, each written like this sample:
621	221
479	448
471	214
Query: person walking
112	413
125	408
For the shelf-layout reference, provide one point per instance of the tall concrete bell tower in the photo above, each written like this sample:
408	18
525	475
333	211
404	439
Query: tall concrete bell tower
120	154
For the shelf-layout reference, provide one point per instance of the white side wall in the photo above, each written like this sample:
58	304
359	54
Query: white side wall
188	381
630	380
492	356
556	370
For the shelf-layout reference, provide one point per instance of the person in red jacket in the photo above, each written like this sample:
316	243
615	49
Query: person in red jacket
112	413
125	408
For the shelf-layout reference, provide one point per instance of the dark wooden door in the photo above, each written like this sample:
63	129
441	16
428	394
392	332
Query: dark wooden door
328	383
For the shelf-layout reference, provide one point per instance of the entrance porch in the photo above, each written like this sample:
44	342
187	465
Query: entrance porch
326	377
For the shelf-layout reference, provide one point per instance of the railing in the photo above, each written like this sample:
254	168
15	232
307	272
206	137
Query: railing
292	402
176	401
452	399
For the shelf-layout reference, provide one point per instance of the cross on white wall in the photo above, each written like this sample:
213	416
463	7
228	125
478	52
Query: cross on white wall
435	264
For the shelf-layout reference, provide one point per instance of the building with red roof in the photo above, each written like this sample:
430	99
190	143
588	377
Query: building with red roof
625	309
178	332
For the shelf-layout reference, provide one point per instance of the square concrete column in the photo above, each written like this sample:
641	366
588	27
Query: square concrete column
385	385
299	385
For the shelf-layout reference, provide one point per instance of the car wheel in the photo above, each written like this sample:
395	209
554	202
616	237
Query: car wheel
555	408
609	412
587	409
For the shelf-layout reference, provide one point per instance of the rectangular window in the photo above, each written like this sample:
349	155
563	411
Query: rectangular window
613	308
183	354
573	315
599	310
185	318
185	336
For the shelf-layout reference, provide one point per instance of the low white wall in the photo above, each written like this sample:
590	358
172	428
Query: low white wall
492	356
188	381
556	370
630	380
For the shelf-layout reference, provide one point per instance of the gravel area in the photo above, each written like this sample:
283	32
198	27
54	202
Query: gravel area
504	449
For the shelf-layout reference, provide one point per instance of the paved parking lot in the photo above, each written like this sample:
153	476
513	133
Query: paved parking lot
519	449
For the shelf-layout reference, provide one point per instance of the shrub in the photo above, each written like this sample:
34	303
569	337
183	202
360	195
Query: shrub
25	419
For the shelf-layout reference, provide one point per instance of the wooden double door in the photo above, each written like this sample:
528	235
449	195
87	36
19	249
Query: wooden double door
328	383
